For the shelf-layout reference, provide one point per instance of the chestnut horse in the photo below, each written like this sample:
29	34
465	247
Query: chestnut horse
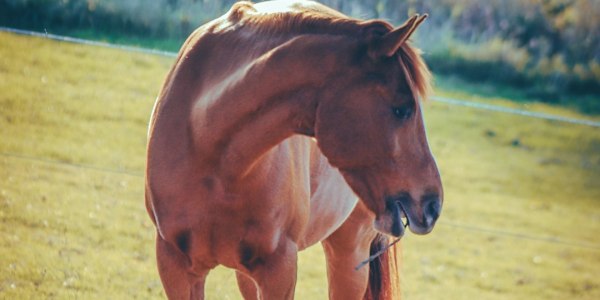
282	125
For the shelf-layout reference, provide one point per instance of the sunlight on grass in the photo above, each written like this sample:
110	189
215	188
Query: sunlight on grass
72	229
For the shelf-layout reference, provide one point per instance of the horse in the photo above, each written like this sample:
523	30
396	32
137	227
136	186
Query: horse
285	124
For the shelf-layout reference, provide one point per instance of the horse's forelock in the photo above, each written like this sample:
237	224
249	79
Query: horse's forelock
416	71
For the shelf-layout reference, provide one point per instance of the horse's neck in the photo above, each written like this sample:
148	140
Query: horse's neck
261	104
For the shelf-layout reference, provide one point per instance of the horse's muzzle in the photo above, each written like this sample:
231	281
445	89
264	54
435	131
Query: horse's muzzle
420	215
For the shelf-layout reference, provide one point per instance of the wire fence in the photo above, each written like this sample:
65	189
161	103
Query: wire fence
451	101
514	111
87	42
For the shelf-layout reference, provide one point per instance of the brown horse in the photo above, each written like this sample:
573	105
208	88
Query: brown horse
274	121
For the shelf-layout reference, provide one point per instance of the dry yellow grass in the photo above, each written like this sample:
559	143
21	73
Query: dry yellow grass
73	224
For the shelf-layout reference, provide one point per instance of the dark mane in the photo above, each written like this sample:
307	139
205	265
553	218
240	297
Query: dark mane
311	20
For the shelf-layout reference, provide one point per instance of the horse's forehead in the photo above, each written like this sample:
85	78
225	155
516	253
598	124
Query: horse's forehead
402	79
391	75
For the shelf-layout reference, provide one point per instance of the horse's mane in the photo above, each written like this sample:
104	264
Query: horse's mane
313	21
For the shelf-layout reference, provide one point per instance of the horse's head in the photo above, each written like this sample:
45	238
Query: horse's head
369	125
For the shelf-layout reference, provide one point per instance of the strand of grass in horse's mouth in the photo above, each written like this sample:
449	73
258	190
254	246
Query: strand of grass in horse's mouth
404	213
374	256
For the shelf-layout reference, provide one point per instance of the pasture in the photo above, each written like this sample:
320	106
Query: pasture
520	221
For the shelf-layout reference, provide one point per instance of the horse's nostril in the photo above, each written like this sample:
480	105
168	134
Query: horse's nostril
432	208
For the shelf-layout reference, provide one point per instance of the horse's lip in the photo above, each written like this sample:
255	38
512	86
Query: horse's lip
396	228
398	213
403	215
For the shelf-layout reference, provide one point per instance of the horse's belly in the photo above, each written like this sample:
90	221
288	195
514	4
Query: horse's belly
330	205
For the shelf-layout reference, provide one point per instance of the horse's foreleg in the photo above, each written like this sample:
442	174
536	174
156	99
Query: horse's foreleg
344	250
176	278
275	274
247	286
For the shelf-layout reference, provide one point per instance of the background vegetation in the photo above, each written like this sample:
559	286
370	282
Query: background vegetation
548	49
521	213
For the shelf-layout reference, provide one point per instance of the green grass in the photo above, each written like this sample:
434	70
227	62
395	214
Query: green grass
75	230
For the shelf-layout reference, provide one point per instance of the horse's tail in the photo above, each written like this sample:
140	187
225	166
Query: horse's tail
384	280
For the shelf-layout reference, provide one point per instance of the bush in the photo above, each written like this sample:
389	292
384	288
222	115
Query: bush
153	19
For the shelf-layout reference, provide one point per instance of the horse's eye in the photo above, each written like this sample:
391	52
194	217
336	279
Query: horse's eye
402	112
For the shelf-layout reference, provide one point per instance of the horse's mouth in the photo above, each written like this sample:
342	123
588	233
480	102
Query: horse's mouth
398	214
394	221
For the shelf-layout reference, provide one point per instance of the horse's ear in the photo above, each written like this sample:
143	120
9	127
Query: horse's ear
391	42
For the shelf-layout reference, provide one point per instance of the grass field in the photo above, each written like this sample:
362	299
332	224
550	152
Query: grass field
521	216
